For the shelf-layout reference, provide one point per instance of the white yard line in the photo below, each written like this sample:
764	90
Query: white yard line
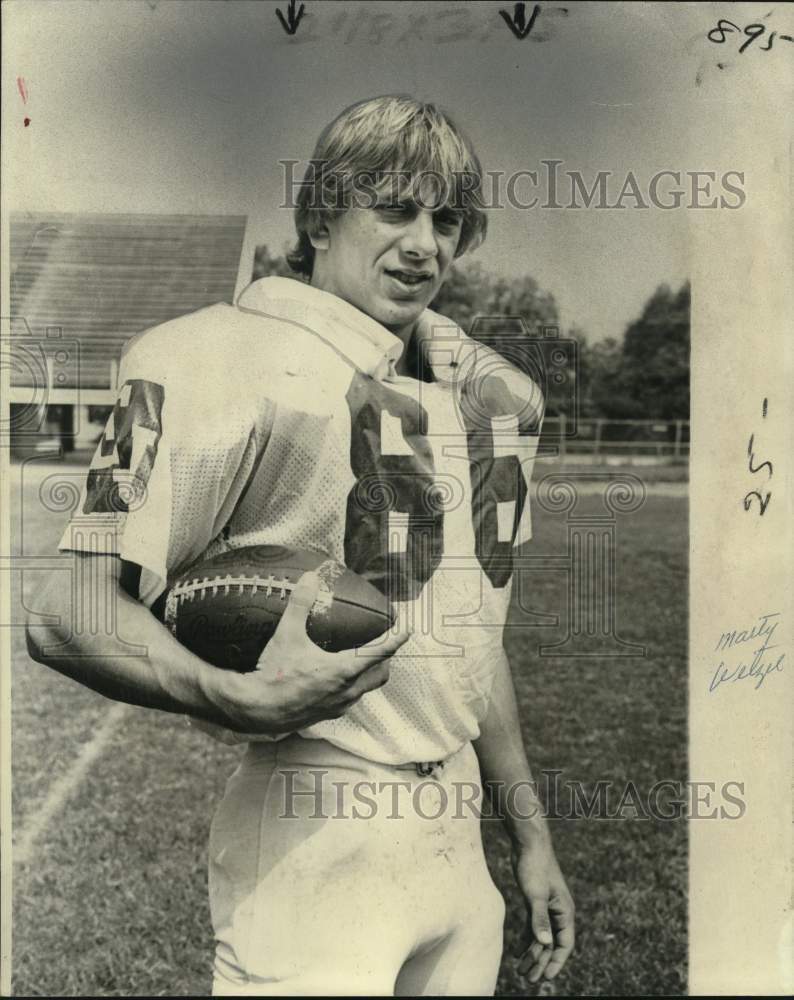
62	789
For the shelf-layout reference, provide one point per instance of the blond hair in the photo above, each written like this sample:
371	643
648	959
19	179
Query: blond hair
375	142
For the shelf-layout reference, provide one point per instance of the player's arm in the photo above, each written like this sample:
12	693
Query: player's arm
140	663
296	685
549	935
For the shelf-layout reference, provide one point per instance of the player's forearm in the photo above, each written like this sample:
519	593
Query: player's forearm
139	663
504	764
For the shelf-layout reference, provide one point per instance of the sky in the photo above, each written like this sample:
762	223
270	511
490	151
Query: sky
179	106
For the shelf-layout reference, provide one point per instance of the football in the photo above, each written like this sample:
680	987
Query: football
226	608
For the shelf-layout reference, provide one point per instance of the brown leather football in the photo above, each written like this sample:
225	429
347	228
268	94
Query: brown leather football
226	608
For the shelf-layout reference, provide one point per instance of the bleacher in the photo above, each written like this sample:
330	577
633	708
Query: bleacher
98	279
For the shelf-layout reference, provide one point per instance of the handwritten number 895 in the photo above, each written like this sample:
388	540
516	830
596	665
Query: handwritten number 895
753	31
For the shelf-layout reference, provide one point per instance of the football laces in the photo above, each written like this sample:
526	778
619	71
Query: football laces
190	590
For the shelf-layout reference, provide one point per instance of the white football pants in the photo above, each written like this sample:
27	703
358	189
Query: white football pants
333	875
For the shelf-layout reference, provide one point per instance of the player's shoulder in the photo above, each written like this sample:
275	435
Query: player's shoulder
215	331
160	342
219	372
477	371
502	388
219	341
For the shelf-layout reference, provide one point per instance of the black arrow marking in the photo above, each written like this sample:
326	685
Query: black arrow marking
518	23
292	20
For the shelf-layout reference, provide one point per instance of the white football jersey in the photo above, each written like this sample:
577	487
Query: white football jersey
280	421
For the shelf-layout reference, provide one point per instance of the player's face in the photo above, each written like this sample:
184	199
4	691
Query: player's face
390	260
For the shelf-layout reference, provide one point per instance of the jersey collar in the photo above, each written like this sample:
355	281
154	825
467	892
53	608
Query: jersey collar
363	341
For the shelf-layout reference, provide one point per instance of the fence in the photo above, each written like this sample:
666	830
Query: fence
599	436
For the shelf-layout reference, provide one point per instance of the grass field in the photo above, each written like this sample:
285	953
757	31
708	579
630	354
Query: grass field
110	897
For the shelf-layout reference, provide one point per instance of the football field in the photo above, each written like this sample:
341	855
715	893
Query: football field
112	804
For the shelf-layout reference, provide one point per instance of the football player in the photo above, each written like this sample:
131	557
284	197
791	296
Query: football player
338	413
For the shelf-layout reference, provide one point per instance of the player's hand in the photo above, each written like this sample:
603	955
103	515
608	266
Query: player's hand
296	683
548	936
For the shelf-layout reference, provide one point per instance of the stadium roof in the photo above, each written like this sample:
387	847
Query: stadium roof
99	279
